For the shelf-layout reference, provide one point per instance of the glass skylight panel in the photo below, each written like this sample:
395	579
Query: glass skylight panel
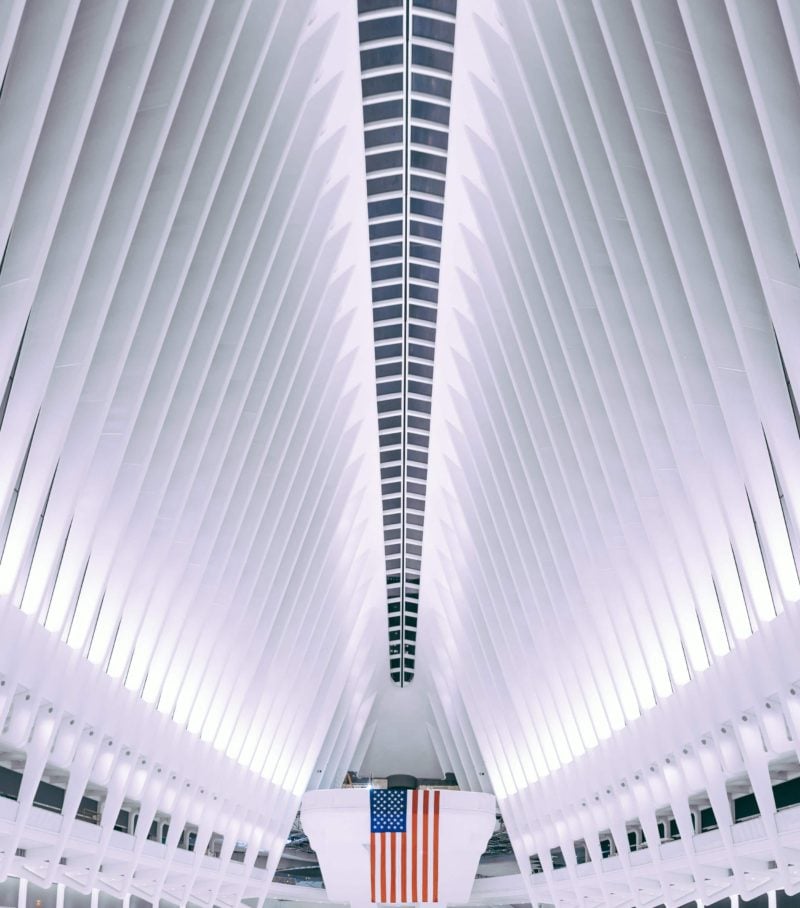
406	52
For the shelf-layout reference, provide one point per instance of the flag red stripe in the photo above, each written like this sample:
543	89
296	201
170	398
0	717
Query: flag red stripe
414	805
403	890
383	866
372	865
425	845
436	846
393	873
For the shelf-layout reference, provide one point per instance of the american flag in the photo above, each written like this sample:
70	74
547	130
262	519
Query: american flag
404	845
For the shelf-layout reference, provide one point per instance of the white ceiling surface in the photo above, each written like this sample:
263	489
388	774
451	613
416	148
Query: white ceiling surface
613	515
189	495
618	453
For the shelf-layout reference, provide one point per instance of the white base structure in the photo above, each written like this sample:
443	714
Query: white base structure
338	826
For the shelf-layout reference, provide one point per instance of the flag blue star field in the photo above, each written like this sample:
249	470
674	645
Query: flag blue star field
404	845
387	810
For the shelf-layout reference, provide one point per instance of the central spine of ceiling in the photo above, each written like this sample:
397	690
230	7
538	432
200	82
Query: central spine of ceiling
406	51
404	628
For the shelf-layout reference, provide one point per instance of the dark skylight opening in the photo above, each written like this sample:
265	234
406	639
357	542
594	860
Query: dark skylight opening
406	64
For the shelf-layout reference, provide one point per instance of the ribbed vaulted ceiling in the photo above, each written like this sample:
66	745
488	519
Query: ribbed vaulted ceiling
228	249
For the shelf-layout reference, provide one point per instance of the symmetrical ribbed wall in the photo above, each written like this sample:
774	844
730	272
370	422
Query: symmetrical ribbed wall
187	448
616	428
202	297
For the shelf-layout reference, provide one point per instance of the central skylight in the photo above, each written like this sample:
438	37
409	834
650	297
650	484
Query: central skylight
406	71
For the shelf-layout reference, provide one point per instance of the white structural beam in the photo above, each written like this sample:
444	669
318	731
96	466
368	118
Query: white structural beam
191	565
613	530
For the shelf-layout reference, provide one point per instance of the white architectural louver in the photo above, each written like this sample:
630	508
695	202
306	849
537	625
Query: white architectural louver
187	495
192	561
618	436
